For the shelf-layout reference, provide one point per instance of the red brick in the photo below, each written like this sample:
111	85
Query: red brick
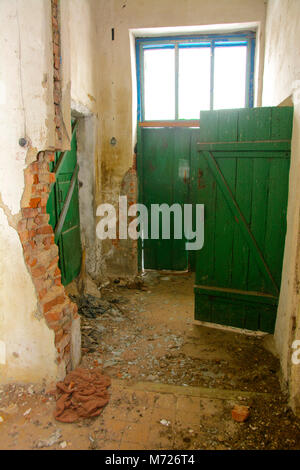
41	219
56	74
53	316
35	179
48	242
54	23
63	343
24	236
29	212
22	224
38	271
31	261
240	413
52	303
57	272
53	262
28	178
56	97
54	10
34	201
56	62
32	244
56	37
42	293
58	335
50	157
75	308
57	281
44	230
34	167
27	235
56	49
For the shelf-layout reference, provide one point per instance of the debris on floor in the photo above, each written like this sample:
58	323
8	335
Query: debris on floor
53	439
240	413
83	395
174	383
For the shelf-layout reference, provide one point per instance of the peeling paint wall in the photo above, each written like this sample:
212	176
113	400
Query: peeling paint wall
117	80
26	110
281	84
80	18
29	343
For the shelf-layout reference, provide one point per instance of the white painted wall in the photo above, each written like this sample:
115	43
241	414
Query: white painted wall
84	53
282	70
26	89
26	110
29	343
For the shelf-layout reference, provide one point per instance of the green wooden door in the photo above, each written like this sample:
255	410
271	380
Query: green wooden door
241	175
63	207
164	178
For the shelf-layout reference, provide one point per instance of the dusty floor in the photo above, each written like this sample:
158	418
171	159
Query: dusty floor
174	382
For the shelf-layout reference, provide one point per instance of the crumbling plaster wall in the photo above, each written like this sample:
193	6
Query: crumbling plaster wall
80	18
117	79
26	110
282	81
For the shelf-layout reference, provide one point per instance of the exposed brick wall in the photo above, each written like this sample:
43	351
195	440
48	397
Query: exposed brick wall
41	255
57	72
36	235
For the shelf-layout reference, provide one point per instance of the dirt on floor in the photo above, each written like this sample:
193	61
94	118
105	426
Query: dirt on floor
150	335
174	382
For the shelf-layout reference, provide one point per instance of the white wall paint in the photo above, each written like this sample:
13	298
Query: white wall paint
84	52
282	54
26	110
26	81
282	70
29	344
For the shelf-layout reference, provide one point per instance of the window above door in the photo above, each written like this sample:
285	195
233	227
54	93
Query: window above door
180	76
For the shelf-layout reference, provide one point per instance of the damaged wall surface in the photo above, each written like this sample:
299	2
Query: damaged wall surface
282	84
26	110
79	17
33	103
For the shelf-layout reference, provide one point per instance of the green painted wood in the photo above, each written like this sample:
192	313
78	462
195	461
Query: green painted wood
237	294
239	218
68	238
224	231
244	186
164	174
264	148
240	312
246	125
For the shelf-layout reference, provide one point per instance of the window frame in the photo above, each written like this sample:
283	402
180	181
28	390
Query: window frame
231	38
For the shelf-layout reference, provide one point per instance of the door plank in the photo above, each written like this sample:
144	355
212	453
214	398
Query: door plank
239	218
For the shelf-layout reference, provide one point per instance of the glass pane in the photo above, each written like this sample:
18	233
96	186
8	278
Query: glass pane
159	84
230	77
194	82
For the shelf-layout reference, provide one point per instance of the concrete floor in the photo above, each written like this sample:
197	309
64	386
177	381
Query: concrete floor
174	383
